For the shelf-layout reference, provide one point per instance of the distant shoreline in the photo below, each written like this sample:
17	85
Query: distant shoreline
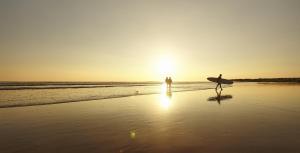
291	80
142	83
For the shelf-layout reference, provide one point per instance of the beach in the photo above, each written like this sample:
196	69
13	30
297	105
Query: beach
247	117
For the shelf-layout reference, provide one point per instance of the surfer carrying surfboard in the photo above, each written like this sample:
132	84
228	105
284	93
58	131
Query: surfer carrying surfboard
219	82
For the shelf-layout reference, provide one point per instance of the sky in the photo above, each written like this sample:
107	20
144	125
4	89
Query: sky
146	40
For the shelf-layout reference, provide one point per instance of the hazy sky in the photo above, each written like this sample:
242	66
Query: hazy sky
139	40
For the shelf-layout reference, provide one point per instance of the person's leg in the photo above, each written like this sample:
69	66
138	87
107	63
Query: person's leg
217	86
221	86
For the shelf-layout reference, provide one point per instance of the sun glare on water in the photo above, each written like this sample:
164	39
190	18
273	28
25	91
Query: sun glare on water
165	97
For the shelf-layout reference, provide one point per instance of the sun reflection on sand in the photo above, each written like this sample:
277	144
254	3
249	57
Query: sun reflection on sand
163	89
165	101
165	97
132	134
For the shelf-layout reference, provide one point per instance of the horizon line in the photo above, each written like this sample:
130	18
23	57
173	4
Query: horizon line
159	81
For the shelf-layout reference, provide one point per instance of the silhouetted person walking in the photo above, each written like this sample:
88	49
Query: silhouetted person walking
219	82
167	81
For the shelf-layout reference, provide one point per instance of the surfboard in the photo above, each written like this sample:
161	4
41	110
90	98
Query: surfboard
223	81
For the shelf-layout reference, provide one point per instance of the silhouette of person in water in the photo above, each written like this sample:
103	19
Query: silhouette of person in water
219	82
168	82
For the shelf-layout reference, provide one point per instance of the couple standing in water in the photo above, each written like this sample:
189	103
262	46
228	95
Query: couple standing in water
168	82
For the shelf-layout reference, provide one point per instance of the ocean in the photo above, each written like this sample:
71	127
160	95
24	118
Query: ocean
17	94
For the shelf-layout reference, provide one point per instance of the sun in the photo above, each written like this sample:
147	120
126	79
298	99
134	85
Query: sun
165	67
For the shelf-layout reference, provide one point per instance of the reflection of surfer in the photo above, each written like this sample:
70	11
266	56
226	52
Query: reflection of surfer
219	82
219	97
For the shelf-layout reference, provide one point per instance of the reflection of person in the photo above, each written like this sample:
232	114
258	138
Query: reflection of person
219	82
169	92
219	96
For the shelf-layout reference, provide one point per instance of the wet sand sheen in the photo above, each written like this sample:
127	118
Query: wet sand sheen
253	118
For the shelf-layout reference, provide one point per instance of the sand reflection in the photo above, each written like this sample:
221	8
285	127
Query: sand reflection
165	97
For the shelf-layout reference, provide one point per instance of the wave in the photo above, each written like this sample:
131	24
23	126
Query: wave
81	99
77	85
70	101
64	87
22	94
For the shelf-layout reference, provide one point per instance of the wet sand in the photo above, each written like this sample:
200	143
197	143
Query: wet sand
247	117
